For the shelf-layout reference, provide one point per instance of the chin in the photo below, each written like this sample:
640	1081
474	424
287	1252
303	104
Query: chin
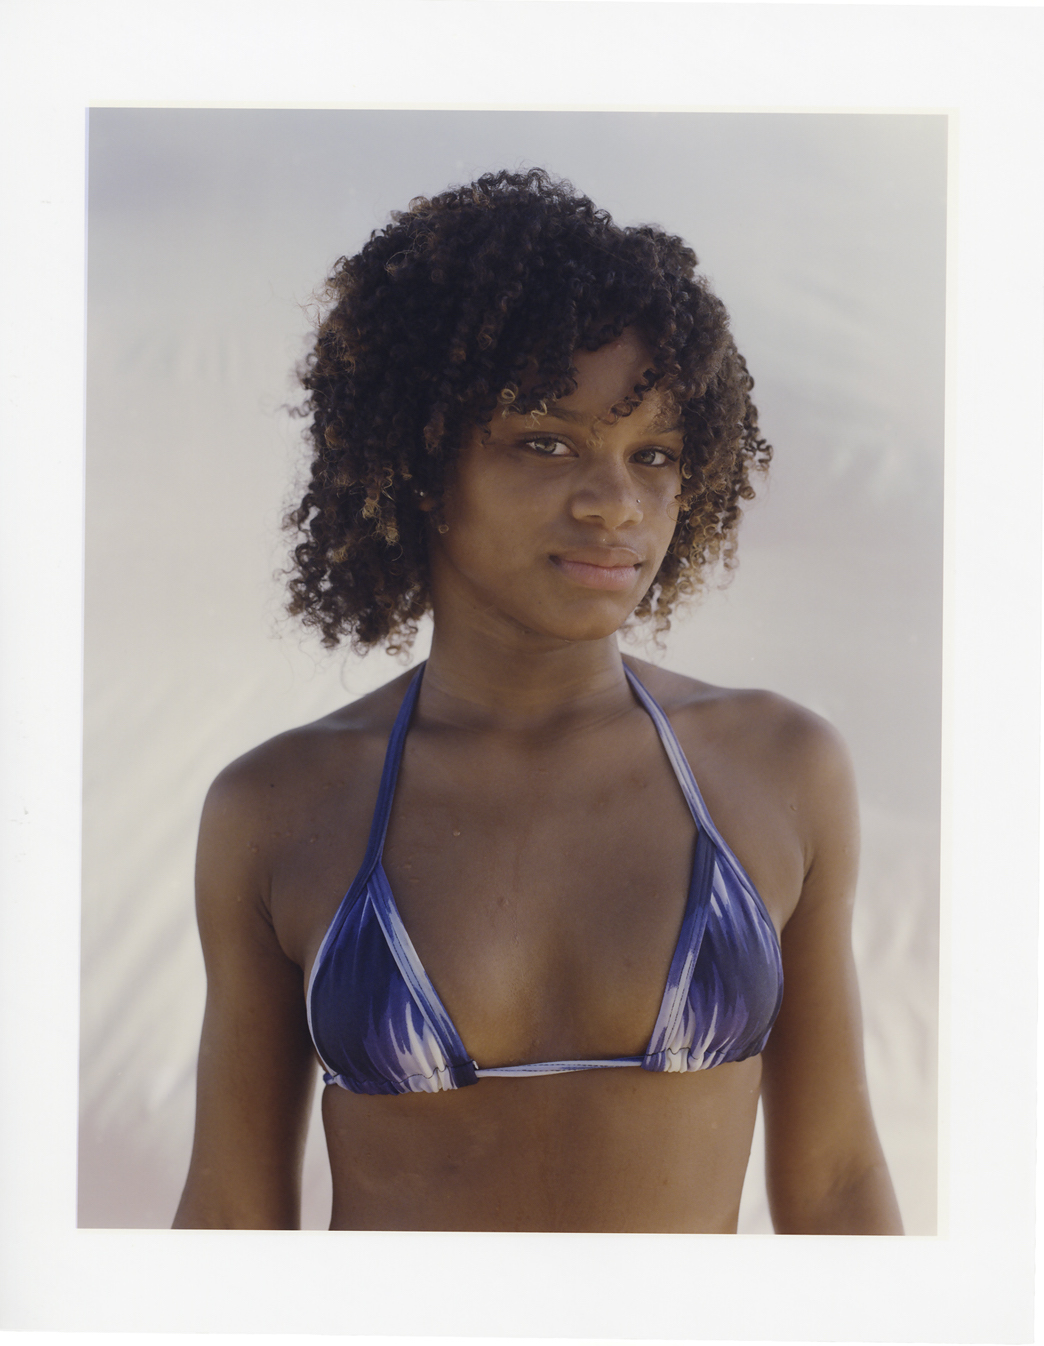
579	627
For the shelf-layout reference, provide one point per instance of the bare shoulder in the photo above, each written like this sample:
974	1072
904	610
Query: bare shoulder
771	729
777	779
259	798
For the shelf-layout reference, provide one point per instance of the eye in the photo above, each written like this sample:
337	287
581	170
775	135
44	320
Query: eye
549	447
654	457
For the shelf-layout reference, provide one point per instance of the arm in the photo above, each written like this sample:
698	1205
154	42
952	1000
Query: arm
256	1063
826	1172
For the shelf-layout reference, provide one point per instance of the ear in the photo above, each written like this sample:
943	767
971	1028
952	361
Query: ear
425	502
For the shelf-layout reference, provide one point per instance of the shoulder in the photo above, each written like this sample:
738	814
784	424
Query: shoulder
256	799
778	732
764	756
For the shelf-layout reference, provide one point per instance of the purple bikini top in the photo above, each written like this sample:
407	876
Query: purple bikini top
380	1028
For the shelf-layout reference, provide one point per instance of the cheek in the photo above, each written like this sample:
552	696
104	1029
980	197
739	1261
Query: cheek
488	500
488	525
669	502
474	508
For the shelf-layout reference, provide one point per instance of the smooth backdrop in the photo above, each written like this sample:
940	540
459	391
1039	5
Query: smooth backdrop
209	231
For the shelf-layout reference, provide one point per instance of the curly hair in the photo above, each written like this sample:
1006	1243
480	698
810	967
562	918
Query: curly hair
444	315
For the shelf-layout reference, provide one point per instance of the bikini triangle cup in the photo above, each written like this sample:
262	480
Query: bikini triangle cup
379	1025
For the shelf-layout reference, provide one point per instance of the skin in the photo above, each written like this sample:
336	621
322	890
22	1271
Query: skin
539	851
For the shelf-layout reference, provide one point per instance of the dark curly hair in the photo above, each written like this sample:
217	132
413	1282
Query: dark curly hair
443	315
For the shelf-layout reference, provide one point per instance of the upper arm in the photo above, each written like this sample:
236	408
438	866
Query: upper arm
256	1068
826	1172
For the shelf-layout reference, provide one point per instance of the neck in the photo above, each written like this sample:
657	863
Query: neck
476	680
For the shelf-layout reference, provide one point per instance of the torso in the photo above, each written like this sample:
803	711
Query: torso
526	877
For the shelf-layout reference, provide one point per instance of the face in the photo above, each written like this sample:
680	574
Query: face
558	522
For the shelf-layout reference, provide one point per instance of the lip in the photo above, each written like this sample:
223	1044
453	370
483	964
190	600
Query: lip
613	568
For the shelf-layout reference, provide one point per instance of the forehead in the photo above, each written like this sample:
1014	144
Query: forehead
606	378
657	411
609	374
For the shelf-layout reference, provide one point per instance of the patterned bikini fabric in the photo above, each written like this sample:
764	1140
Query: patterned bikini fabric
380	1028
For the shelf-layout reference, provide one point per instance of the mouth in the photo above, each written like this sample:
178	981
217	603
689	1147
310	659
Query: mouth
609	570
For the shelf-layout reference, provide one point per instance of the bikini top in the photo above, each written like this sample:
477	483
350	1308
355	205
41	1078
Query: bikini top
380	1028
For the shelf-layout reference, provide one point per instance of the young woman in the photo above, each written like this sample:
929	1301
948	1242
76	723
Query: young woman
552	992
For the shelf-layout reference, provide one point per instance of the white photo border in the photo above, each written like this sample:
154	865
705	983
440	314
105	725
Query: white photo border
980	65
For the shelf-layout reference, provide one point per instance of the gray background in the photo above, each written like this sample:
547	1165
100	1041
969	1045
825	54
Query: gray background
208	232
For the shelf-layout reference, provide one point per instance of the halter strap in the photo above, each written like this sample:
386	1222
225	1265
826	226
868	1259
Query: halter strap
690	937
397	741
390	774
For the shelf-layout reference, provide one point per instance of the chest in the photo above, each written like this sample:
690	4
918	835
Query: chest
544	891
542	887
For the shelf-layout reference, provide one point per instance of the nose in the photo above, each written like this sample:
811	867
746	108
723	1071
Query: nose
607	496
